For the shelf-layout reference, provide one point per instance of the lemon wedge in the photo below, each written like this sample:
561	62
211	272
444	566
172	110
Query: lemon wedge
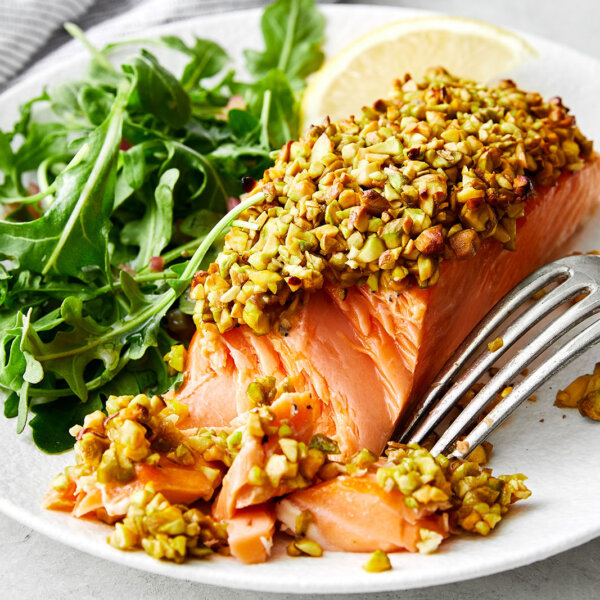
364	71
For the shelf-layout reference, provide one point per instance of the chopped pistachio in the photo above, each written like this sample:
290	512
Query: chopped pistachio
312	462
175	358
324	444
391	146
363	459
292	550
113	467
496	344
166	531
289	447
378	562
464	487
430	541
234	440
583	394
480	454
256	394
254	426
372	250
303	520
464	243
309	547
256	476
276	468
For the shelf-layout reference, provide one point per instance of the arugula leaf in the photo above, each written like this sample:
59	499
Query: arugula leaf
95	103
127	338
211	186
293	31
4	281
43	140
152	232
26	112
32	373
20	368
134	165
64	101
70	238
11	406
160	94
199	224
7	158
208	59
146	375
273	102
244	125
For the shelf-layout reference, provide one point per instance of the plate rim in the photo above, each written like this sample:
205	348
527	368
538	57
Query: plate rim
246	580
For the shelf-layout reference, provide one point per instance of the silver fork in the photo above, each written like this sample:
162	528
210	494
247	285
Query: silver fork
575	275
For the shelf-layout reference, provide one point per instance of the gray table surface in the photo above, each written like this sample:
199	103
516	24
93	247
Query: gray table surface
33	566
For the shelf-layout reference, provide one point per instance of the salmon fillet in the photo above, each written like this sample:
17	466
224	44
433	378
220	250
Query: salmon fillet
354	514
367	357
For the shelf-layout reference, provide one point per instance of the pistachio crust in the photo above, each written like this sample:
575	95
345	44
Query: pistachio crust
383	199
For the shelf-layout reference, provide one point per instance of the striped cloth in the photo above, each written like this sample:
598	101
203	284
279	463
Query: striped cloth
32	29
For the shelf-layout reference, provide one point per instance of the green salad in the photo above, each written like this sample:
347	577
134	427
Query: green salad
114	190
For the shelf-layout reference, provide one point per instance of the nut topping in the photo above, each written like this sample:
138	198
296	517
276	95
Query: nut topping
383	199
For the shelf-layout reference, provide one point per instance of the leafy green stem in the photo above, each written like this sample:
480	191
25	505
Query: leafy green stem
42	171
78	34
290	28
139	278
264	119
198	70
33	199
171	255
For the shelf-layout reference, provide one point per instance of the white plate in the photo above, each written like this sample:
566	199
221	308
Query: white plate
560	456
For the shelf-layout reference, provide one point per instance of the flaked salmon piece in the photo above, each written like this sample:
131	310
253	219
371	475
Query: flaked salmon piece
368	356
63	499
236	480
250	534
88	502
354	514
178	484
296	410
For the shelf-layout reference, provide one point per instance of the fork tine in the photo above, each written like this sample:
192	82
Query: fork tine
538	280
575	315
574	286
579	344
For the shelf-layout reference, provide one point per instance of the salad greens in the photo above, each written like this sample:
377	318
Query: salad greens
114	191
